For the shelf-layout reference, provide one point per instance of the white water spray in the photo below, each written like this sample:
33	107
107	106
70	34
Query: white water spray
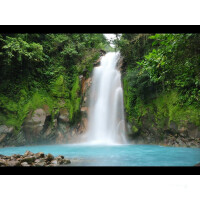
106	115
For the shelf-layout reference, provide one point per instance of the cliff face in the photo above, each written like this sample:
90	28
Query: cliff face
46	124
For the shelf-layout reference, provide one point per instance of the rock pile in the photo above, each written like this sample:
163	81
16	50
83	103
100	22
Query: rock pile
31	159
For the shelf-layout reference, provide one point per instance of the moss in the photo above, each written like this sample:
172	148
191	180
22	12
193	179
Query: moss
168	106
74	104
164	109
14	112
134	129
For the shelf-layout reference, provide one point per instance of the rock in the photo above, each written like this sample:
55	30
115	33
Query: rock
181	143
63	116
84	109
193	130
54	162
16	155
2	162
60	156
197	165
33	125
29	159
2	137
6	129
84	125
5	133
25	164
13	163
49	157
102	52
59	160
28	153
39	155
66	161
40	162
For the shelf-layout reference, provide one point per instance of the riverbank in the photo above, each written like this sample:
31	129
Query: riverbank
30	159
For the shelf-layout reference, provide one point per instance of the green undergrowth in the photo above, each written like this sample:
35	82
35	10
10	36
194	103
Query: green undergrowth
165	107
14	112
63	91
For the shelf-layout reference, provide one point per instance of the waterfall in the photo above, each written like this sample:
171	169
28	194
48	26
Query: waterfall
106	123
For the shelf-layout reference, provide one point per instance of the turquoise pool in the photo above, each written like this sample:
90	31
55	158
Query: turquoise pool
116	155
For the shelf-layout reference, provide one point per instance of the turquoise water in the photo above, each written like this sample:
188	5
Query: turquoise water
116	155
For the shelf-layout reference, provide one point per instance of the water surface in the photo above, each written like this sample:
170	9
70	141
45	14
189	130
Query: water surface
116	155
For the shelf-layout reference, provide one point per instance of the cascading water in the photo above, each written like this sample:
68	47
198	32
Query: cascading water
106	115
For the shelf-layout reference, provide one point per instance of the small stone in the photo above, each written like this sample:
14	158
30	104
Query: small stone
13	163
39	155
61	156
66	161
25	164
16	155
59	160
28	153
49	157
55	162
40	162
2	162
29	159
51	165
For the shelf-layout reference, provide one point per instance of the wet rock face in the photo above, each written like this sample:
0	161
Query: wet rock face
9	138
85	105
5	132
63	116
184	135
30	159
33	125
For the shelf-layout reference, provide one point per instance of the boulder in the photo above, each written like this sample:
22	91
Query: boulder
60	156
40	162
2	162
49	157
13	163
59	160
63	116
29	159
2	137
16	156
66	161
6	129
54	162
5	132
25	164
33	125
28	153
39	155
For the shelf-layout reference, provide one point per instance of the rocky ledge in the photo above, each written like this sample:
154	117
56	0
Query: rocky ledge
30	159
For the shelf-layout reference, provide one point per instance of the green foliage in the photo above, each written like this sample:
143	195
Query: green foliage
161	76
18	48
38	69
58	88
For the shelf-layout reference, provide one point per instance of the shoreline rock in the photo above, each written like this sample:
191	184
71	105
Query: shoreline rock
30	159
